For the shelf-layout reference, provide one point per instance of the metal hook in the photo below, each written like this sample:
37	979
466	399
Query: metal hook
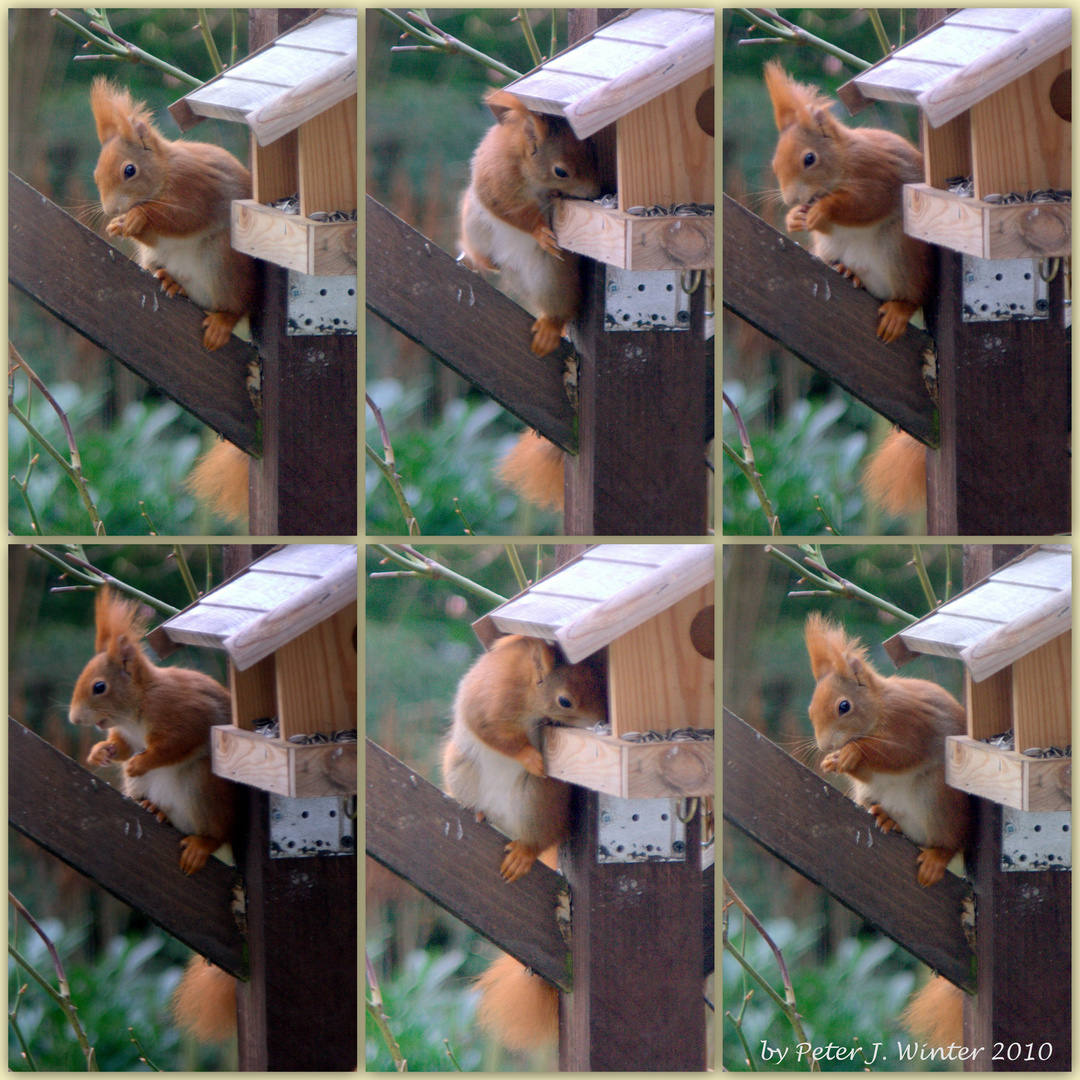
686	808
1054	266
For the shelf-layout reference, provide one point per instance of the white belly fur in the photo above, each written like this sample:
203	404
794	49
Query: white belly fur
195	262
910	798
504	782
872	253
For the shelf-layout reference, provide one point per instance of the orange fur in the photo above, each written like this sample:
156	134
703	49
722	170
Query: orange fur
522	164
534	469
935	1015
204	1003
518	1008
844	186
888	735
220	481
895	477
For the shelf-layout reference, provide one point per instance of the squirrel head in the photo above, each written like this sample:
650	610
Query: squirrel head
131	166
809	155
112	685
847	700
573	694
556	162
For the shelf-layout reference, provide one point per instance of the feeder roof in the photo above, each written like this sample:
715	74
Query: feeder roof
273	601
620	66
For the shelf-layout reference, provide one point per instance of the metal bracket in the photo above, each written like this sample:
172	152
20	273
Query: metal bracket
303	827
645	300
320	306
1000	290
1036	840
639	830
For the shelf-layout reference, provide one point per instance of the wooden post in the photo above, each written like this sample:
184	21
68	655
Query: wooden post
1004	467
1021	1016
298	1012
640	468
636	946
306	481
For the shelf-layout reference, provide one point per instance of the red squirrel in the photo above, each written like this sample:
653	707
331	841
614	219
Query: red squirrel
173	199
492	764
844	186
888	735
158	721
522	164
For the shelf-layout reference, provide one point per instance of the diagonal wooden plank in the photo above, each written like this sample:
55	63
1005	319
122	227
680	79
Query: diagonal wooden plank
470	326
807	307
113	302
115	842
806	822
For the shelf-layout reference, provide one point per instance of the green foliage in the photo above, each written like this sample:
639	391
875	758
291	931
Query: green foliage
143	457
127	985
852	1000
453	457
812	451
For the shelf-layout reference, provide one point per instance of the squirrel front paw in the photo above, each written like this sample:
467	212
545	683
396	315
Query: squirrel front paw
531	760
796	219
844	760
101	753
154	809
169	285
884	822
544	236
132	222
518	860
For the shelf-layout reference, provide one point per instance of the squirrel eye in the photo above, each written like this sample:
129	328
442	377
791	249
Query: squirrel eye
129	171
564	702
809	160
843	707
560	172
100	687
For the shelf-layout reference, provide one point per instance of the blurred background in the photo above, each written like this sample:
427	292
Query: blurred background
135	444
419	642
850	982
425	117
809	437
122	969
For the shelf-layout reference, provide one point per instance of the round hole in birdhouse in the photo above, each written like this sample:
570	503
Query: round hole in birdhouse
705	111
701	632
1061	96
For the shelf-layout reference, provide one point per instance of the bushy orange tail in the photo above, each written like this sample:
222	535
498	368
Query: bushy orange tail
517	1007
895	478
935	1015
534	469
204	1004
220	481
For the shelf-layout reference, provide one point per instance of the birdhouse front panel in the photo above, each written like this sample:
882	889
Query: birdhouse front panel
1042	695
1018	142
664	155
658	680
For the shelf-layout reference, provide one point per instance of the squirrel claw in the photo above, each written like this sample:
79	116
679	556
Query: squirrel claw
531	760
884	822
894	317
169	285
154	809
101	754
518	861
218	326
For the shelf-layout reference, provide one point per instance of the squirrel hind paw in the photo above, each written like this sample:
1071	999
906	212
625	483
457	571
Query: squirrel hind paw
518	860
218	327
546	335
894	317
932	864
195	851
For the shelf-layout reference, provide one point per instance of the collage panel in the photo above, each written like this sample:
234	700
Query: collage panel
540	245
897	337
540	774
183	250
897	790
182	741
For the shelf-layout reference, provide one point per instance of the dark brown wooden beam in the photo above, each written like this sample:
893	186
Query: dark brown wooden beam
470	326
122	847
808	824
794	298
436	844
112	301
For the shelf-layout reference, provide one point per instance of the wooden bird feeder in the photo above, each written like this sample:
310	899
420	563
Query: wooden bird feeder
994	86
297	95
651	606
651	73
1013	633
288	624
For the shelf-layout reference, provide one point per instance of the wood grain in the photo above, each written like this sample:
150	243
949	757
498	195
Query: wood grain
89	825
794	298
810	825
